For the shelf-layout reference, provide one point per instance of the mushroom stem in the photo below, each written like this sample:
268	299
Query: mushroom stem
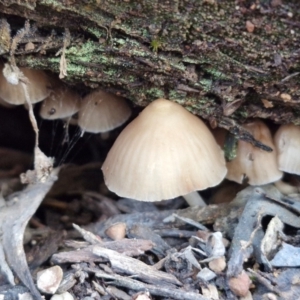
194	199
66	129
286	188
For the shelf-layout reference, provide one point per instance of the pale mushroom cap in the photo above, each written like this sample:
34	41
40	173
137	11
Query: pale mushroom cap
101	112
162	154
259	166
38	87
287	141
61	103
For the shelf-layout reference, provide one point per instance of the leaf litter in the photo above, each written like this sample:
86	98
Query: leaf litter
123	249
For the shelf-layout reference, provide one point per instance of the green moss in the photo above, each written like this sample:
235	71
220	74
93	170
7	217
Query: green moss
75	70
177	65
72	68
120	41
95	31
83	52
110	72
154	93
217	74
206	84
155	45
138	52
190	60
178	96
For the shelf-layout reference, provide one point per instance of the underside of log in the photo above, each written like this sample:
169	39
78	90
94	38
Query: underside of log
226	61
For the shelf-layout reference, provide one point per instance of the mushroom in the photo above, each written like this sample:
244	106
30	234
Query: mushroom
287	143
164	153
60	104
11	89
256	165
101	112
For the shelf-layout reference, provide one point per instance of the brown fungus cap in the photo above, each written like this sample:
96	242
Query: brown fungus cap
287	141
254	164
38	87
61	103
162	154
101	112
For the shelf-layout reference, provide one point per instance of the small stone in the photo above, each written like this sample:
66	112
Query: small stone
240	285
63	296
49	280
206	274
117	231
267	103
29	46
250	26
217	265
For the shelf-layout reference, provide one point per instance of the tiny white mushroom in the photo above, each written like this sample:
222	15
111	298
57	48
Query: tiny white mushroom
11	89
101	112
61	103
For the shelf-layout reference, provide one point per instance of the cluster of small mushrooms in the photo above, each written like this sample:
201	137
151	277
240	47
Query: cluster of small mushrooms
97	112
166	151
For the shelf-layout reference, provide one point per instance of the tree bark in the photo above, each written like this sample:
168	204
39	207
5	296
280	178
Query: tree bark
226	61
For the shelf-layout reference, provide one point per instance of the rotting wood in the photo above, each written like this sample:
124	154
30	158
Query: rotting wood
152	220
264	281
199	54
134	247
14	216
130	266
221	211
160	247
248	233
153	289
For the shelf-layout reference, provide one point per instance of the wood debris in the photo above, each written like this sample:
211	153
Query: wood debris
179	254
